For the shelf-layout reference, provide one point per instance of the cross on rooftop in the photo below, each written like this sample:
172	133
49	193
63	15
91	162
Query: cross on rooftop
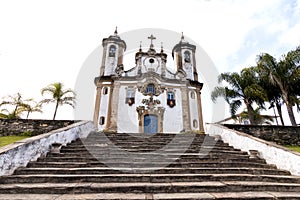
152	38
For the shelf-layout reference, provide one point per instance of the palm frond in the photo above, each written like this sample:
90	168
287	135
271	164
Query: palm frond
234	106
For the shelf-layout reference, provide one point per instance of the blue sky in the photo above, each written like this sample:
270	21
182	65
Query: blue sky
46	41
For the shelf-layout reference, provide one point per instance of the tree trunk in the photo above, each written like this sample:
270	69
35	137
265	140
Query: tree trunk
278	106
27	115
289	108
250	112
56	106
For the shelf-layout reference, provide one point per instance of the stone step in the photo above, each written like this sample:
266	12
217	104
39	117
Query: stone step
193	160
157	170
147	155
153	145
141	149
153	178
163	196
146	164
195	147
146	187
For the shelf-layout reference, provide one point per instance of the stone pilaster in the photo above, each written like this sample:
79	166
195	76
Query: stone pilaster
102	68
200	111
114	107
109	107
97	106
185	109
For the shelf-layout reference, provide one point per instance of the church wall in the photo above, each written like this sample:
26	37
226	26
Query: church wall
127	115
173	122
104	107
194	115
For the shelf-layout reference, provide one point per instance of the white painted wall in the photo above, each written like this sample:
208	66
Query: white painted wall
282	157
20	153
173	122
104	101
127	115
193	110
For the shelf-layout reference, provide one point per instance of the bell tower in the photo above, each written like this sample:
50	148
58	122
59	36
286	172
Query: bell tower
184	55
113	49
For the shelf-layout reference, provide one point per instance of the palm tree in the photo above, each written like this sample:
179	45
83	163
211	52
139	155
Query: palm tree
15	101
243	88
274	96
258	118
60	96
6	114
285	74
31	106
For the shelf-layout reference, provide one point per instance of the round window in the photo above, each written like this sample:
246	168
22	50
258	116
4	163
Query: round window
151	60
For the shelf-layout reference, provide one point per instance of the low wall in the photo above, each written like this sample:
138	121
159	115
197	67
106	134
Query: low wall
20	153
282	157
283	135
31	127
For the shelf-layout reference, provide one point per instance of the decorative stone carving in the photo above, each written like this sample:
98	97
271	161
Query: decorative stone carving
157	87
151	103
158	111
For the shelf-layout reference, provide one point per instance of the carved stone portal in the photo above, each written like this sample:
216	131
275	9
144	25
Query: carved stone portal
151	109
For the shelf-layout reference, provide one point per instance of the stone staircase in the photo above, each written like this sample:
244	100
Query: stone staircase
138	166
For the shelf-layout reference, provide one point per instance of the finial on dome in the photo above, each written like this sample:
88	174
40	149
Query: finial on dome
116	31
182	37
162	48
140	46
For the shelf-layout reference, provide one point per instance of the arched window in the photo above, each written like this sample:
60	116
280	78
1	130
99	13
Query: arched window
192	95
102	120
112	51
195	123
150	89
105	90
187	56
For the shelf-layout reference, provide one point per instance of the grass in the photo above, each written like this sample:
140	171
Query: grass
294	148
5	140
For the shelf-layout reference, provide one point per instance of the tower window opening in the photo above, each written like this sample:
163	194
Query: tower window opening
112	51
187	56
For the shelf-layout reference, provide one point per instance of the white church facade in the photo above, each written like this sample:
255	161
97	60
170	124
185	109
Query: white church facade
148	98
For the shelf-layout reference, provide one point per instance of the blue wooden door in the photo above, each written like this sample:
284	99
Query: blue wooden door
150	124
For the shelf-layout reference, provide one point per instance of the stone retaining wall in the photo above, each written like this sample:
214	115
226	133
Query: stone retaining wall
20	153
282	135
30	127
282	157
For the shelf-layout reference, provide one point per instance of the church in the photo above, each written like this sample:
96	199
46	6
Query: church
149	97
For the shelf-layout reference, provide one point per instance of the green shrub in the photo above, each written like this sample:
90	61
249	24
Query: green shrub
27	133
